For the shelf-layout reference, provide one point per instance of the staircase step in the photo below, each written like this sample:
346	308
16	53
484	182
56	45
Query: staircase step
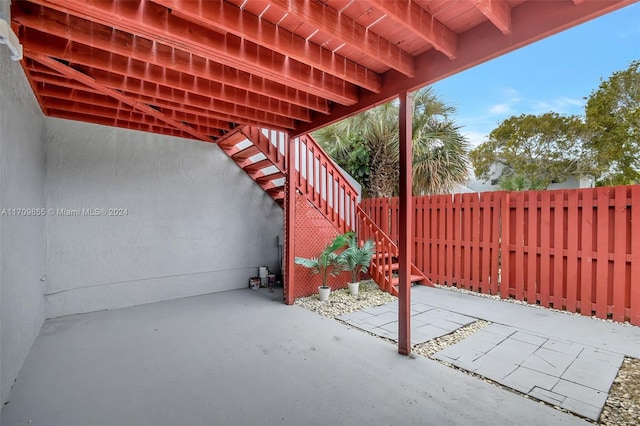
275	190
414	279
257	166
268	178
232	140
244	153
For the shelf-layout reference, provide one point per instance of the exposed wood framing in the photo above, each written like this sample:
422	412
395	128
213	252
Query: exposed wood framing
421	23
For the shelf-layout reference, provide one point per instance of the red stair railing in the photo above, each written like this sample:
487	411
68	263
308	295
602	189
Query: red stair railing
381	268
322	182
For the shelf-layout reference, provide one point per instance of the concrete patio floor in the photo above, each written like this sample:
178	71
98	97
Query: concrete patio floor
243	358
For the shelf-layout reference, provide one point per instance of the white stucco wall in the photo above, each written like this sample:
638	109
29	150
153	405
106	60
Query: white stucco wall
478	185
195	222
22	255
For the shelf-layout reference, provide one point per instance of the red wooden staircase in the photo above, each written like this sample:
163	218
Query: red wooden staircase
384	266
262	154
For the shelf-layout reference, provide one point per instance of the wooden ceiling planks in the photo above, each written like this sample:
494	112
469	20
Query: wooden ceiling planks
201	68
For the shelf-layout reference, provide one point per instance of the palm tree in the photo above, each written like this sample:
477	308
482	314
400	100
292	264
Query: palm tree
440	161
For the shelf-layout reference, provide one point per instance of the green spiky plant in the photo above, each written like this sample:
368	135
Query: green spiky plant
357	259
329	262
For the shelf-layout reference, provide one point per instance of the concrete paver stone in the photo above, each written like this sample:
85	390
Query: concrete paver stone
581	393
525	380
547	396
529	338
549	362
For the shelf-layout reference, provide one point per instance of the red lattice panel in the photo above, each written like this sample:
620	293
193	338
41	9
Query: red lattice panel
313	232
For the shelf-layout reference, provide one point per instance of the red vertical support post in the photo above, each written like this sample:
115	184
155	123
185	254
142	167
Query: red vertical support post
405	232
290	219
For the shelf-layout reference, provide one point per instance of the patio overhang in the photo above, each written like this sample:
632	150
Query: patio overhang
199	69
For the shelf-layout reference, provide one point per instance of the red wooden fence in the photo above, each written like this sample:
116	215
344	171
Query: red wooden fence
576	250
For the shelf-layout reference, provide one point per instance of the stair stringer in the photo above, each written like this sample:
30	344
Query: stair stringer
383	264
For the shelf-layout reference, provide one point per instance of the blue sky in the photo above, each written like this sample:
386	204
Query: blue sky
554	74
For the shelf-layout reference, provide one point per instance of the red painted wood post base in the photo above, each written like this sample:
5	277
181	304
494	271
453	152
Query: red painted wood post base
405	227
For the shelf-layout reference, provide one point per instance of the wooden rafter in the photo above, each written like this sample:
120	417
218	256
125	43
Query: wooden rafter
88	81
498	12
342	27
421	23
530	21
232	19
125	46
124	75
152	21
118	122
59	97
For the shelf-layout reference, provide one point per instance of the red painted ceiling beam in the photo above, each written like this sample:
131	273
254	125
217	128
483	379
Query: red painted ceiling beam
530	21
116	68
411	16
122	83
114	109
156	23
46	83
345	29
231	19
119	123
176	105
76	75
128	46
498	12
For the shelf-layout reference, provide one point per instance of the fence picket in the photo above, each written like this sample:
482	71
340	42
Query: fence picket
601	284
572	251
586	254
559	230
545	272
620	250
532	245
496	210
475	279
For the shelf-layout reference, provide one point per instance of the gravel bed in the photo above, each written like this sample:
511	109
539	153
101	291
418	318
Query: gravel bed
623	404
432	346
341	302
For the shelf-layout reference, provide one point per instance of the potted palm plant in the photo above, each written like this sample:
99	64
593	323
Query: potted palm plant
357	260
328	263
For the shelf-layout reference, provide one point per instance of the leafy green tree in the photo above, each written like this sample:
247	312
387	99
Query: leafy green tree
538	148
366	146
613	123
519	183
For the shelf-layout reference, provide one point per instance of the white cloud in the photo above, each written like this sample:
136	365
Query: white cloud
475	138
499	109
562	105
510	97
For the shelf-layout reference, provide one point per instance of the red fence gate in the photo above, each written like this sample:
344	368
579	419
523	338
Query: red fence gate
576	250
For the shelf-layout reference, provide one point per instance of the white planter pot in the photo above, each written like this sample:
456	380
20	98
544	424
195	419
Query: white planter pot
354	288
324	293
